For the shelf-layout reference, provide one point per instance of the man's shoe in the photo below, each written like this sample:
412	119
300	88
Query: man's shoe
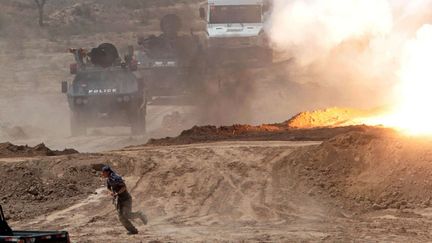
132	232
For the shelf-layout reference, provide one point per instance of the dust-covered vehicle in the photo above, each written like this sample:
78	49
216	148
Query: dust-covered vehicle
105	92
21	236
235	33
170	63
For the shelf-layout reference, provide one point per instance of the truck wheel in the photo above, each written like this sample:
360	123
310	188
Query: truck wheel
138	126
77	127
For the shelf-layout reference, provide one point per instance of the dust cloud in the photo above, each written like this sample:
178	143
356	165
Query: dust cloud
342	53
227	98
310	30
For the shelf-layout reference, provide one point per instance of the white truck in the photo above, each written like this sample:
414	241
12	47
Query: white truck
235	32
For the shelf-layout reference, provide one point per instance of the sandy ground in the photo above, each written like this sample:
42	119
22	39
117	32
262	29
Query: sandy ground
225	192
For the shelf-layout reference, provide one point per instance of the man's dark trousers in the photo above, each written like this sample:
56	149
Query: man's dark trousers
124	209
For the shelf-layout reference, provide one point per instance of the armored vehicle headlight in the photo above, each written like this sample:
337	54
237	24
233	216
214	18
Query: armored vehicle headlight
79	101
126	98
119	99
85	101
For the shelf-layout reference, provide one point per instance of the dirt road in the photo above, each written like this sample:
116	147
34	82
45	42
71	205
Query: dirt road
221	192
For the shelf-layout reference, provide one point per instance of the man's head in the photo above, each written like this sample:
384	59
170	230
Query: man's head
106	171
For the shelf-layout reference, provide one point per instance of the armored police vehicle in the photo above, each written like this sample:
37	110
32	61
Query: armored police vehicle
105	92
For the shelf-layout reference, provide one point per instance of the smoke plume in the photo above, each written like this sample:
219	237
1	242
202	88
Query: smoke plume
351	49
310	29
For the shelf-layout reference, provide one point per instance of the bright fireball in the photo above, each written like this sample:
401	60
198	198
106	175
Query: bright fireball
412	112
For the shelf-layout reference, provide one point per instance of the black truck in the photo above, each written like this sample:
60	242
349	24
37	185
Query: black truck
19	236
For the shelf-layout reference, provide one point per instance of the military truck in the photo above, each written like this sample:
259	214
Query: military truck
170	63
235	32
9	235
105	92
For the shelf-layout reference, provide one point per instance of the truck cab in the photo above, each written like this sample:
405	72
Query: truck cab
235	31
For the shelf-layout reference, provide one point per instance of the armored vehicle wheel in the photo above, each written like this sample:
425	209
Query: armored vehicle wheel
77	127
138	122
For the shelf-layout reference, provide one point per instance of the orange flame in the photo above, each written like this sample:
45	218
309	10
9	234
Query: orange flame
412	112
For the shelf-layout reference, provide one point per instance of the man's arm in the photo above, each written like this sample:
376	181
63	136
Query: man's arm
110	189
108	186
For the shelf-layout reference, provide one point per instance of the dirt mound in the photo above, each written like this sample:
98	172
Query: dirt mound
216	184
356	168
30	189
317	125
226	131
270	132
326	118
8	150
33	190
367	170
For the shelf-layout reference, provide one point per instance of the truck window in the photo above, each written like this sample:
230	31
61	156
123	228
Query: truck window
235	14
